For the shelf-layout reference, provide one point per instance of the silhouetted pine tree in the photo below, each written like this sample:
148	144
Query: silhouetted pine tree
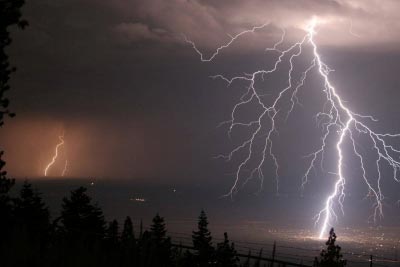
32	215
32	224
158	231
81	231
144	249
112	233
226	253
80	217
31	211
201	238
112	250
160	243
31	228
331	257
128	244
127	232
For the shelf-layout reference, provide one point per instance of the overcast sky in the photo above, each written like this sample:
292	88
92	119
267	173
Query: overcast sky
135	101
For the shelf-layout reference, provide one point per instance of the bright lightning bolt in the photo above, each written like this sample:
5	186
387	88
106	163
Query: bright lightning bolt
335	119
53	160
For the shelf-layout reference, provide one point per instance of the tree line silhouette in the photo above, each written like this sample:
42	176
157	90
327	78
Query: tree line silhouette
80	236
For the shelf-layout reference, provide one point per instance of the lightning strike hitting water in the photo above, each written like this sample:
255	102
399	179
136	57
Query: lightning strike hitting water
335	119
53	160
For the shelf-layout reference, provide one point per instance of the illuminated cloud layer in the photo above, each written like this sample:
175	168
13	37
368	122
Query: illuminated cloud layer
207	22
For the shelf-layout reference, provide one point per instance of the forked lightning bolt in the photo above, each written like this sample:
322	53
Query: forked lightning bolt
335	119
56	153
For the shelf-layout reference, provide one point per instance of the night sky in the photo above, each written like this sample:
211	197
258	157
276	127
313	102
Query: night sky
135	101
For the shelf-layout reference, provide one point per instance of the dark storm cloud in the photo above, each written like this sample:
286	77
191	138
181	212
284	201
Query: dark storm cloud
133	97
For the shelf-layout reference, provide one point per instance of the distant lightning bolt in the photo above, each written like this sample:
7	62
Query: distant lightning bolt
65	168
335	119
53	160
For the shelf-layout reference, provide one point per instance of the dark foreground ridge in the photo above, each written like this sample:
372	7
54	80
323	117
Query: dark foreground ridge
80	236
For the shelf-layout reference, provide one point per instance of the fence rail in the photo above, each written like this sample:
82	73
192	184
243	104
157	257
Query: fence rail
272	261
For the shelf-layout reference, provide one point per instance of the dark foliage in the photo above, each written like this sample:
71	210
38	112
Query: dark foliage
226	253
5	203
158	231
112	234
127	233
10	15
28	236
128	245
331	256
31	214
160	244
81	220
202	242
79	237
